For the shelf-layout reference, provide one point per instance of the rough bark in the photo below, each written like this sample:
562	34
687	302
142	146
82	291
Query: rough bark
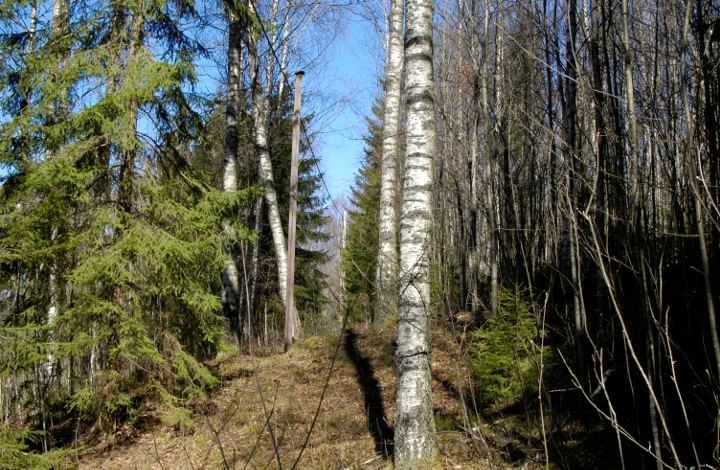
415	442
570	151
492	250
231	274
387	267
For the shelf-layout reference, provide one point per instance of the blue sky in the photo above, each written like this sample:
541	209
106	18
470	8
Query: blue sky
351	81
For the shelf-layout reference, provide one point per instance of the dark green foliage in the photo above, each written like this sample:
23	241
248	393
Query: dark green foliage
360	255
111	218
110	243
15	452
310	298
310	282
505	354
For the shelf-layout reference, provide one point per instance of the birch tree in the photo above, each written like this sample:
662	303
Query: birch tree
415	443
57	110
231	275
386	277
260	106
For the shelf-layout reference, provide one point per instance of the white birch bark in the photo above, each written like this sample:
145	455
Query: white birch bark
260	106
259	112
59	25
415	442
387	267
231	274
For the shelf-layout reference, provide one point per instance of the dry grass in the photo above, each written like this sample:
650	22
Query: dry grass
275	397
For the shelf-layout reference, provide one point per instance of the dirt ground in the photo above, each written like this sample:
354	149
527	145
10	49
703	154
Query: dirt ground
290	411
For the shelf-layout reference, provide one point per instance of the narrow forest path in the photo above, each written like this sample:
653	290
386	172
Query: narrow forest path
275	398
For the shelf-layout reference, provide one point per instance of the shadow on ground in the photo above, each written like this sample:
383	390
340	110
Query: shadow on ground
381	432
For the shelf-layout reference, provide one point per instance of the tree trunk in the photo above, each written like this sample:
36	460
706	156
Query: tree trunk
570	152
260	105
700	224
231	275
493	216
415	442
253	312
59	26
290	321
129	149
387	267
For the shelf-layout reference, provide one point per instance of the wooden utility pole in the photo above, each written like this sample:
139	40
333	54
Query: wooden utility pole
290	326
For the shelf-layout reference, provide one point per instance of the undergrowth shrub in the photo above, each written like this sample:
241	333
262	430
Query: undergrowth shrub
15	452
505	352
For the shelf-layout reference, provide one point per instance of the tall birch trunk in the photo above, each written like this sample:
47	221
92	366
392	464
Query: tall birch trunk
387	262
415	442
260	106
231	275
59	27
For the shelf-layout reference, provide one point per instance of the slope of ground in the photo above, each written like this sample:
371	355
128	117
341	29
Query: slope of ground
275	399
272	401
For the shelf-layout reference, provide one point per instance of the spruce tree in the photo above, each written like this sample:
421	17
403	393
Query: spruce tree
100	202
361	251
310	296
310	281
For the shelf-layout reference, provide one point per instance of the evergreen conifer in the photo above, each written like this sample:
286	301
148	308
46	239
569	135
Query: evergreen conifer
360	255
111	243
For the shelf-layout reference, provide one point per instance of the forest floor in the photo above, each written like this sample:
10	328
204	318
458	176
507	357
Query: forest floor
322	420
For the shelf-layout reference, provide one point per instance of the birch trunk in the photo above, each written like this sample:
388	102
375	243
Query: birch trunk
231	275
387	262
260	105
415	442
59	27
